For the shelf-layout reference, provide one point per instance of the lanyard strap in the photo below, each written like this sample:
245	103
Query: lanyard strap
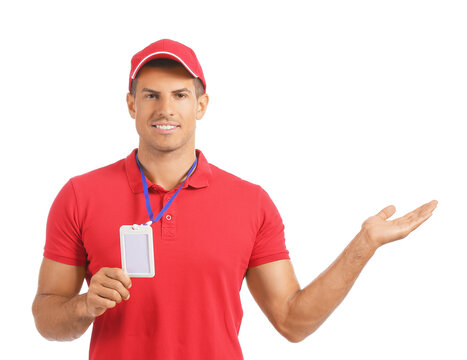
146	194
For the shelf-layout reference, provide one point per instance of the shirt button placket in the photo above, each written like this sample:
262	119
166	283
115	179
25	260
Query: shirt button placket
169	220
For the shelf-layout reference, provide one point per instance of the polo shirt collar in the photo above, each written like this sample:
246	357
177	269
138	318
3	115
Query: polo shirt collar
198	179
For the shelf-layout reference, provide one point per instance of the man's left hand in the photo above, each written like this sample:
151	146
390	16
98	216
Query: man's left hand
378	230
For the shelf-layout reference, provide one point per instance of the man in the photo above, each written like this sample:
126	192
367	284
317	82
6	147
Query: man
213	229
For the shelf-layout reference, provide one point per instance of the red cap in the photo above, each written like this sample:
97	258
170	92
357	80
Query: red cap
167	49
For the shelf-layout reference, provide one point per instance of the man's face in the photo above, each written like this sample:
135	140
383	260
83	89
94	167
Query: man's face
166	96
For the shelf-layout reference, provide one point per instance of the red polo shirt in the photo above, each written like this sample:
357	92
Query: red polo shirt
217	227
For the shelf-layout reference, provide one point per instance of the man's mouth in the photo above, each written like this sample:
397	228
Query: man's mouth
165	129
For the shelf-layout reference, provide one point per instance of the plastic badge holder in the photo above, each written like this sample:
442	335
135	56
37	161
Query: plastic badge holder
137	250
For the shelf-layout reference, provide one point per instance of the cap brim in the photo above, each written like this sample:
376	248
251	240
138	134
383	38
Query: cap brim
161	55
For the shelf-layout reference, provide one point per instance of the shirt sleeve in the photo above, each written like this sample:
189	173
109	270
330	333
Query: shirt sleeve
270	240
63	233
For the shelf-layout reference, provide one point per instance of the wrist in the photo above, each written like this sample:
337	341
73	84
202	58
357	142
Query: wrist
83	311
365	242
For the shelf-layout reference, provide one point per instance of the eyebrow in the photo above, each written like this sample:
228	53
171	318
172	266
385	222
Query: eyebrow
174	91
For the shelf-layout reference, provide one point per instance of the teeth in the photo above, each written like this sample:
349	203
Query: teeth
165	127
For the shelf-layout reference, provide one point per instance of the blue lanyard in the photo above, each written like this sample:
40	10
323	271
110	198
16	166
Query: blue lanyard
146	194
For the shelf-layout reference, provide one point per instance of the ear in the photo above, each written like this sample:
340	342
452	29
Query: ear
201	106
130	100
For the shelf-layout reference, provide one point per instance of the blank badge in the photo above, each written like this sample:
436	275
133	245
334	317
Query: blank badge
137	250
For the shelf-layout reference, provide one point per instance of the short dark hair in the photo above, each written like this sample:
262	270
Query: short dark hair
168	63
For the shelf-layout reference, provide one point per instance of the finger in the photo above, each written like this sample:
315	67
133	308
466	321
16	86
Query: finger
98	311
419	221
105	303
421	211
433	204
412	220
116	285
97	302
110	294
120	275
387	212
428	207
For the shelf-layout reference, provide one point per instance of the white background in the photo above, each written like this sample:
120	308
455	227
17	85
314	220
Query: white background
336	108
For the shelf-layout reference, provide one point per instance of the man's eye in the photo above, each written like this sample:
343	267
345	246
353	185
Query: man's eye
150	96
181	95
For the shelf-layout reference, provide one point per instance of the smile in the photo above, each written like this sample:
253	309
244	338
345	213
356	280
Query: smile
165	126
165	129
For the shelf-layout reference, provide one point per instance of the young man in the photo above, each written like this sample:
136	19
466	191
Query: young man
213	229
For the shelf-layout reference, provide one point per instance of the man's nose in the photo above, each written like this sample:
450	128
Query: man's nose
166	106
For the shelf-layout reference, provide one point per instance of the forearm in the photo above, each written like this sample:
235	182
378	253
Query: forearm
311	306
61	318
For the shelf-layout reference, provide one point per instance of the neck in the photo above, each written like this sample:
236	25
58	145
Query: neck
167	169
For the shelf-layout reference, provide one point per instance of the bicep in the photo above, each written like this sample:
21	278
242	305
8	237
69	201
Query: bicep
272	285
60	279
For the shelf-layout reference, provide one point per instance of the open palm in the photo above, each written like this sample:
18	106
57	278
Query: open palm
379	230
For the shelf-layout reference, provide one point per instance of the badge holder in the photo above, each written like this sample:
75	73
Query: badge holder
137	250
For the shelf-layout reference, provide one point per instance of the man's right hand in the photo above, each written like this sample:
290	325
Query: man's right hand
108	287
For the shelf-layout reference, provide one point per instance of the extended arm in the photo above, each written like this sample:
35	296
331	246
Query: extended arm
311	306
295	312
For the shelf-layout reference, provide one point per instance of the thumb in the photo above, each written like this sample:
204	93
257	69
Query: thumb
387	212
